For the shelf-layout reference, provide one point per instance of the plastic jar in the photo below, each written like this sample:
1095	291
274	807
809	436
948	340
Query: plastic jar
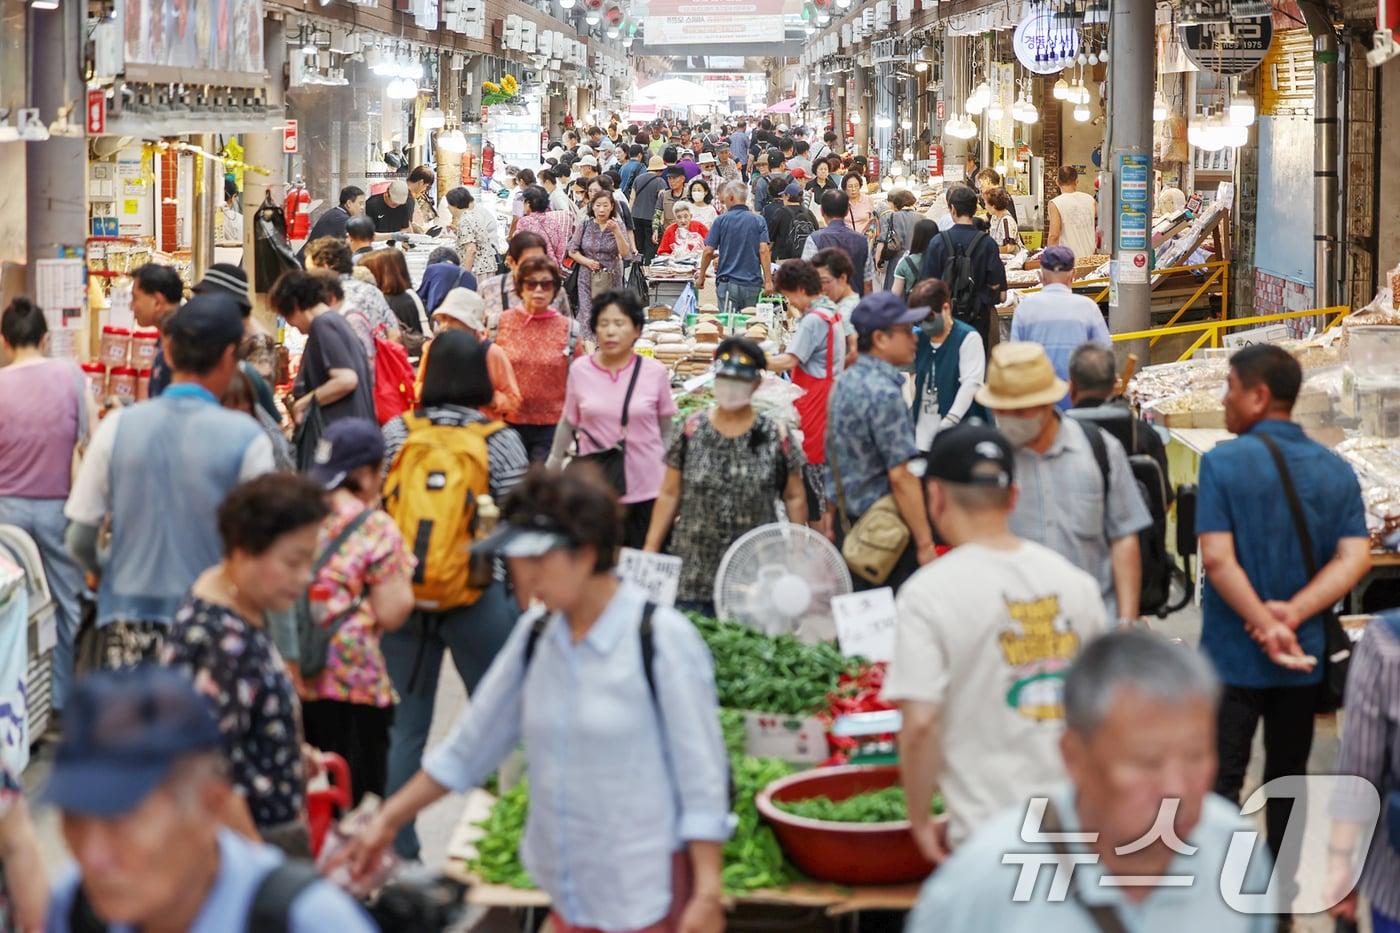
96	376
115	346
145	344
143	384
121	383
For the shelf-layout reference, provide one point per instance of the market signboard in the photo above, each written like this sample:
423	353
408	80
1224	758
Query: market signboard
209	35
1042	43
713	22
1233	48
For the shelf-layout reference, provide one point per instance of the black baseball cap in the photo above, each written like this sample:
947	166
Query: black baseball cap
346	445
971	455
211	318
122	733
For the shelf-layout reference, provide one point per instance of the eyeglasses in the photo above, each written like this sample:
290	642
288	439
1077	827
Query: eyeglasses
538	284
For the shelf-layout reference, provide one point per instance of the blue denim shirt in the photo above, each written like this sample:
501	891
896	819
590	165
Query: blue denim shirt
615	790
1240	493
869	432
736	234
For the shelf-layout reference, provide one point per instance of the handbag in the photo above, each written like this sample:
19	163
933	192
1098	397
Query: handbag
612	461
571	286
872	546
308	436
1336	654
602	281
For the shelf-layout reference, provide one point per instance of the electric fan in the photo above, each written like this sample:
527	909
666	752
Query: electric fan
780	579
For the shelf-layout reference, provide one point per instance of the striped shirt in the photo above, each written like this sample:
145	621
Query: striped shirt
505	454
1370	750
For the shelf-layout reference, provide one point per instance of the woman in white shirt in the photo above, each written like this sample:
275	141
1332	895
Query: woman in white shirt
702	208
1002	228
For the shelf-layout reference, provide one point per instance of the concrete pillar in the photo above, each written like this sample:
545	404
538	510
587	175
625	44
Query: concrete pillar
205	226
1130	85
861	104
57	167
264	150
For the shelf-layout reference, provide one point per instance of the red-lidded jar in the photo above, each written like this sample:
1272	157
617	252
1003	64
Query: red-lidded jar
145	344
121	383
95	375
143	384
115	346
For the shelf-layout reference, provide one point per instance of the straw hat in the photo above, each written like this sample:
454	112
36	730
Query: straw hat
1020	376
656	164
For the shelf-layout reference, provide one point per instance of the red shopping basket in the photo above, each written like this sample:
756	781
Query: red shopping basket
327	804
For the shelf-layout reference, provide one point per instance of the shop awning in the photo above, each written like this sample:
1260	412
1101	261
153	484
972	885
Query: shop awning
783	106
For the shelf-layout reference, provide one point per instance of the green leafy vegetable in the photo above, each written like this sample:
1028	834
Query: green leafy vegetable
779	674
498	852
752	857
878	806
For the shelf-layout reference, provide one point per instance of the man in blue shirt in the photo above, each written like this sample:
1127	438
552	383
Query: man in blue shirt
631	168
837	235
1262	609
1057	318
140	780
745	258
739	147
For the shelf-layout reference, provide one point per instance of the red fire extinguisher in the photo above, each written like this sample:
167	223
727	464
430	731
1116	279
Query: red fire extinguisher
935	161
488	160
297	207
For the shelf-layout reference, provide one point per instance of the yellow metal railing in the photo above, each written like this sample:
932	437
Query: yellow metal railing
1210	330
1220	273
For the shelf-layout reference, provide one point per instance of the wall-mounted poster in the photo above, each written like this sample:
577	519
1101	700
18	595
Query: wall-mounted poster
211	35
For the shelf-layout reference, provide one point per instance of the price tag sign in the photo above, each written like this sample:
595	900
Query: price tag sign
658	574
792	739
865	623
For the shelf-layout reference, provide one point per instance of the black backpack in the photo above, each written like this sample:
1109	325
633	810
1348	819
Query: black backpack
270	911
959	274
801	228
1158	569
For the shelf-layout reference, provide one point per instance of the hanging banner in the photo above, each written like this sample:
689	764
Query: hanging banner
210	35
1042	43
1229	49
713	22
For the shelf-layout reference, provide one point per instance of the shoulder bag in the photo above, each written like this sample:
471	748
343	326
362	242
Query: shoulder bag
1104	916
313	638
612	461
872	546
1336	659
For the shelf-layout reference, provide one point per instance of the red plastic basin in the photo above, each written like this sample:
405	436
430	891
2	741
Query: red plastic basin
843	853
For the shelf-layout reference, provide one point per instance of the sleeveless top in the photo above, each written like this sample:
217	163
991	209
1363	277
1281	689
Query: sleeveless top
1076	222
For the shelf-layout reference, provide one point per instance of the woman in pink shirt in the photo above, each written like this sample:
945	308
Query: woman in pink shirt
614	380
555	226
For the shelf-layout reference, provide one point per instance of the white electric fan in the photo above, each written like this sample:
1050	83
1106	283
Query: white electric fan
780	579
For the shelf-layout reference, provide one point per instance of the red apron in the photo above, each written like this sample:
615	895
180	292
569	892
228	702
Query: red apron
811	407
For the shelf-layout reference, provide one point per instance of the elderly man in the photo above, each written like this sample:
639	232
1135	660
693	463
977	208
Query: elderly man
141	781
1057	318
1078	496
745	258
984	636
1140	752
1093	375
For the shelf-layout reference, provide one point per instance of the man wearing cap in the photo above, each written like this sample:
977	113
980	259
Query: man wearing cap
392	209
224	278
670	196
159	469
647	187
630	169
869	434
780	223
1057	318
142	786
1077	495
588	168
983	638
745	258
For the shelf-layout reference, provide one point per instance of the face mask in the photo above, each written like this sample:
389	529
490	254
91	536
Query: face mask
1020	430
732	394
933	327
697	196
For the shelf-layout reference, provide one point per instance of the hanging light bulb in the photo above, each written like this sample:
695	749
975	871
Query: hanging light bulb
1061	89
1001	169
593	18
453	141
1082	59
906	124
566	4
823	18
921	66
843	4
1103	56
1083	97
432	119
1159	107
995	111
1241	109
974	104
1235	135
1030	114
1081	113
908	154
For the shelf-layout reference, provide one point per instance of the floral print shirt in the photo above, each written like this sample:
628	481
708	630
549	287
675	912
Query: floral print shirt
237	666
471	231
355	671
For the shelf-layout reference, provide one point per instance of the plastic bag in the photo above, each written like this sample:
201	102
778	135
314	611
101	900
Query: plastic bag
687	303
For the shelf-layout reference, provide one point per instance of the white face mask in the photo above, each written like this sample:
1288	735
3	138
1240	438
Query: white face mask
1020	430
697	196
732	394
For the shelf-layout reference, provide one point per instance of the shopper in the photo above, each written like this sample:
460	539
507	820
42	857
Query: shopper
541	343
758	180
156	292
392	209
667	199
685	237
242	397
46	416
909	269
631	168
363	573
1368	751
332	223
600	387
359	234
837	234
1055	317
745	258
390	270
814	356
1138	746
465	310
701	205
1077	495
836	270
646	190
257	351
726	169
739	145
180	448
949	369
439	278
860	215
1072	216
957	651
791	225
1002	226
870	436
1265	594
475	243
498	291
984	268
598	246
558	194
364	306
1093	380
605	183
221	641
724	472
821	181
554	226
335	374
523	179
140	783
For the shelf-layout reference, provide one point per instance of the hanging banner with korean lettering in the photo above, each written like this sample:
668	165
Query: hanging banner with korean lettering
713	22
1042	42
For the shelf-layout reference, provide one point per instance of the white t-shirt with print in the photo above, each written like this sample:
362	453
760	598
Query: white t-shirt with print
987	635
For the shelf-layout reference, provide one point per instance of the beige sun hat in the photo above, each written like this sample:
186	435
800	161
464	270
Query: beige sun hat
1020	376
464	306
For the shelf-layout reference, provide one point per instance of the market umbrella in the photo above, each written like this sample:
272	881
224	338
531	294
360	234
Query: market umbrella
783	106
676	92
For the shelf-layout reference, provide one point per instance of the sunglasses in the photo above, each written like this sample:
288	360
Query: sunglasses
538	284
